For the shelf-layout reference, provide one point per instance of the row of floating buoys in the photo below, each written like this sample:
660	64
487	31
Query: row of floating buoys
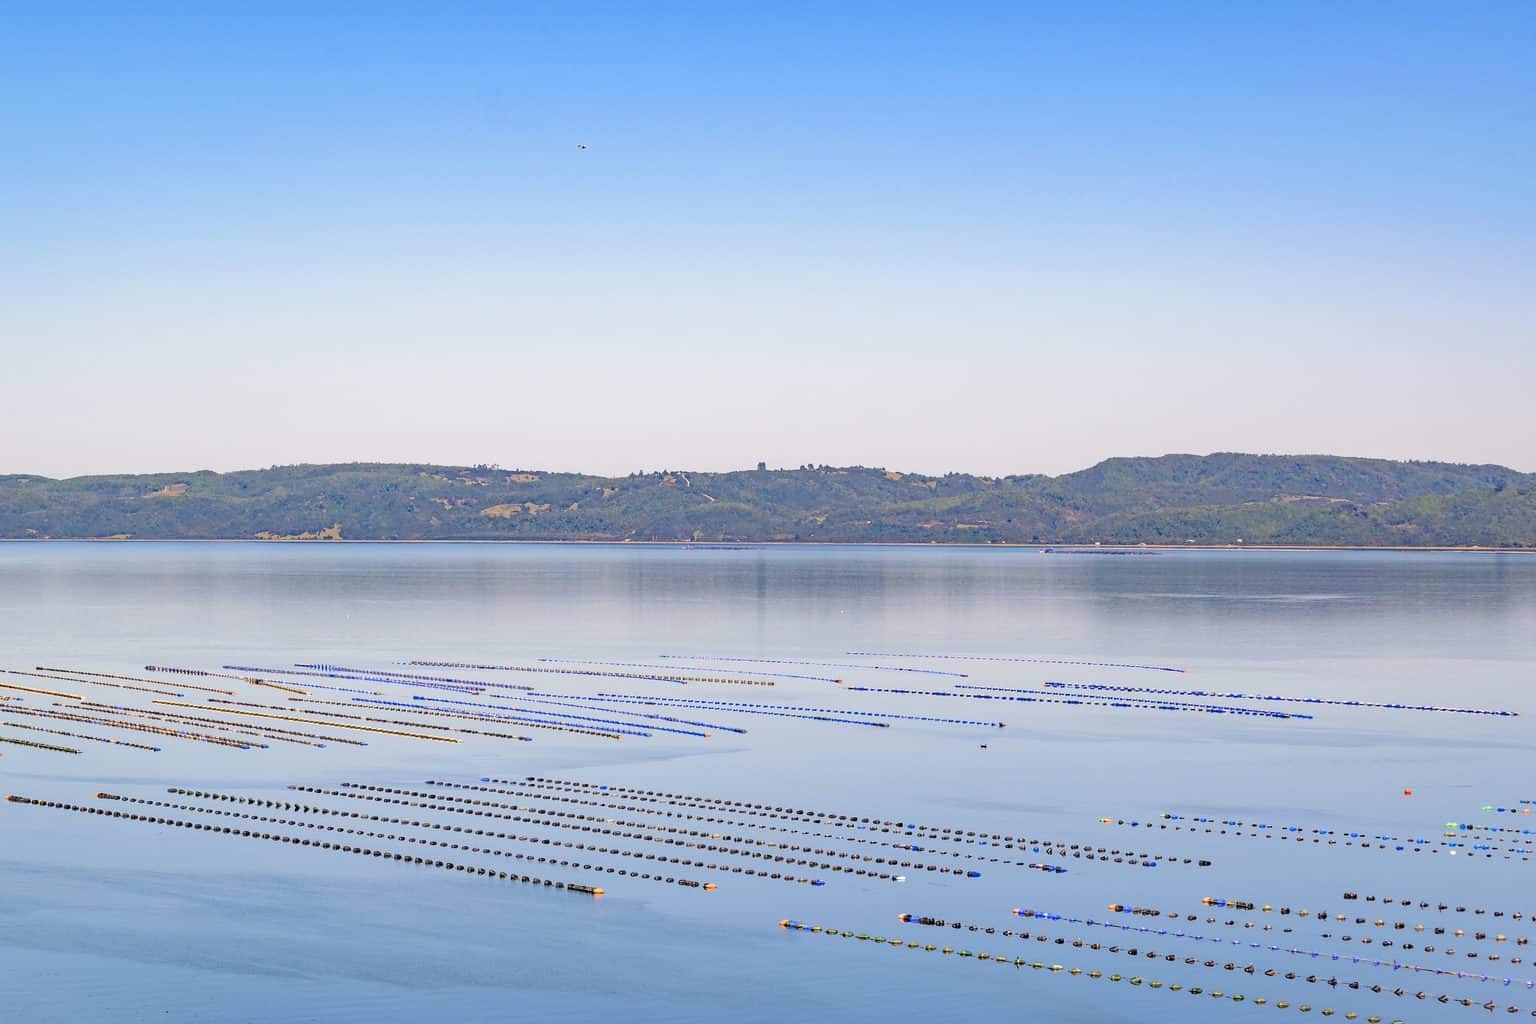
1159	702
1016	660
1490	809
1101	702
409	677
276	838
277	686
1252	969
1315	954
1266	829
625	727
1441	907
1087	854
371	718
481	808
1058	969
1400	926
88	682
474	716
78	735
1391	706
789	710
669	829
13	741
1319	836
219	725
39	692
426	825
572	826
851	822
1322	918
126	679
85	717
639	714
644	676
306	721
734	707
1458	826
814	664
352	676
685	668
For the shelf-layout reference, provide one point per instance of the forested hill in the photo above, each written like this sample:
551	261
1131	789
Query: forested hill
1176	499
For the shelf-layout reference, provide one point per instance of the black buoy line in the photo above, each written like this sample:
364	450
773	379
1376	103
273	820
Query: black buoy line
800	711
306	721
57	678
77	735
128	679
412	684
685	668
85	717
426	825
547	819
1101	702
1080	853
1159	702
625	727
656	677
1319	836
1445	908
829	819
271	732
1275	698
815	664
312	843
1392	962
1052	968
465	711
1017	660
370	718
38	746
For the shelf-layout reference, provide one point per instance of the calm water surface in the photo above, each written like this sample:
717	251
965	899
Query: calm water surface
103	920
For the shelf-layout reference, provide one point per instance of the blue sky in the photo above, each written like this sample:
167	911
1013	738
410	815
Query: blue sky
987	237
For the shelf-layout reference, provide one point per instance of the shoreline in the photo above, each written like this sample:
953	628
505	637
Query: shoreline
1110	550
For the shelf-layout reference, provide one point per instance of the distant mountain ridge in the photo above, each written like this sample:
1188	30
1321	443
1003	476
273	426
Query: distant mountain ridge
1223	498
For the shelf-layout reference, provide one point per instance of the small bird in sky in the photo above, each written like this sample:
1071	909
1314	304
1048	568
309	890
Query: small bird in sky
581	145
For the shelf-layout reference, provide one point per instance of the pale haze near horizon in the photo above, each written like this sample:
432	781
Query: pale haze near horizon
994	239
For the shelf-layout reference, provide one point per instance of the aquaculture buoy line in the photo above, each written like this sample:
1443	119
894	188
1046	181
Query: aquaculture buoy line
708	705
38	746
816	664
96	719
1489	808
41	693
718	836
1159	702
1017	660
1442	907
371	679
1052	968
827	819
684	668
128	679
1077	852
468	716
1102	702
76	735
307	721
312	843
1322	917
645	676
1105	687
425	825
409	676
370	718
219	725
550	822
1407	929
1329	837
1251	969
88	682
558	714
787	710
638	714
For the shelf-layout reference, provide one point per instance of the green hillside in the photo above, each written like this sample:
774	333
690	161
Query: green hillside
1175	499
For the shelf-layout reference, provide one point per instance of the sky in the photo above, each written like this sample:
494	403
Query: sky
981	237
